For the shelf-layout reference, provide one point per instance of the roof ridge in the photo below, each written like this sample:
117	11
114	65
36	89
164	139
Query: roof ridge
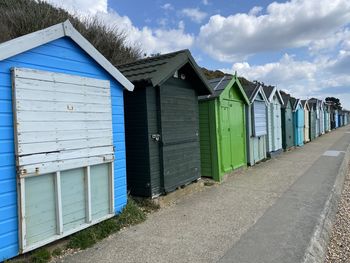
153	58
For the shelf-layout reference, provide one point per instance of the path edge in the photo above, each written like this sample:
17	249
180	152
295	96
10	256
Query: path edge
316	252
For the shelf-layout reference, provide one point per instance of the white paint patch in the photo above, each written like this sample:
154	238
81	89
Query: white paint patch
332	153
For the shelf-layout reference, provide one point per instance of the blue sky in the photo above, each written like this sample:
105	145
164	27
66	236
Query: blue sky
301	46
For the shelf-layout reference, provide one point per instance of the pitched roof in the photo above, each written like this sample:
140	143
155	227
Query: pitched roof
156	70
295	102
250	89
285	98
220	84
268	90
65	29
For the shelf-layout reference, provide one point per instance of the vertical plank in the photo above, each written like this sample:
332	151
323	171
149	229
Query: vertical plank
111	188
88	195
59	219
22	216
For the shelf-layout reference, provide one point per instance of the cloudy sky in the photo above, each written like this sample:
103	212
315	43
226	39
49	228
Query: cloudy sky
301	46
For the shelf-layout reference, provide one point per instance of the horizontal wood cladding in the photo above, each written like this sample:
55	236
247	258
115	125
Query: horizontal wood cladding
53	151
180	133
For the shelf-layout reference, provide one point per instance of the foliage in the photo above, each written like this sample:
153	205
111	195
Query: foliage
40	256
213	74
131	215
20	17
334	101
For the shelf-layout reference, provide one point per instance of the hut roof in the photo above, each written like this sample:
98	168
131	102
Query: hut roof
156	70
27	42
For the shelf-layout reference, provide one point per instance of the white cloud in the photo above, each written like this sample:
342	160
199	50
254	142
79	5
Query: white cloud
205	2
194	14
150	40
167	6
81	6
304	79
293	24
255	10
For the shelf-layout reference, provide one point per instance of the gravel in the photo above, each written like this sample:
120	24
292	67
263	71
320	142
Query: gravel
339	245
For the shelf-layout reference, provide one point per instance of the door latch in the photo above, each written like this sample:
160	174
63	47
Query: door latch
156	137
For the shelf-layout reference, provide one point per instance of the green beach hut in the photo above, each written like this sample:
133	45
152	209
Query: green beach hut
222	128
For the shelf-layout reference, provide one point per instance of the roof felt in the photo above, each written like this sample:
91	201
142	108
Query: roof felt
250	89
285	98
156	70
268	90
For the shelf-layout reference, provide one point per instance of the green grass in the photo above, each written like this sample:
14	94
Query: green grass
56	252
40	256
132	214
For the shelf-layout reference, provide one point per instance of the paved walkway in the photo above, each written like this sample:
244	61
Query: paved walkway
266	213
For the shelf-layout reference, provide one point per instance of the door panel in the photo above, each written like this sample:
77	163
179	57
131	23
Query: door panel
225	138
179	134
237	134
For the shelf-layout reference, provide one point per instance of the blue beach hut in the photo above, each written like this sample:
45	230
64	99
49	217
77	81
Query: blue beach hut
298	119
62	149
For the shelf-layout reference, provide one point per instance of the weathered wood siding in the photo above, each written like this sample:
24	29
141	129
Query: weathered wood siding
287	127
153	117
58	56
179	133
43	132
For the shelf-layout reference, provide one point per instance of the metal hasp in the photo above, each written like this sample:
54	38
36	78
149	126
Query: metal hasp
223	128
161	122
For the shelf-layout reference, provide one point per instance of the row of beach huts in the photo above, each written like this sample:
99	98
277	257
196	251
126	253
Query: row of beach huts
78	133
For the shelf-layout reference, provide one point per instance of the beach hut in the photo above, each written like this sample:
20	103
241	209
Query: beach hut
298	121
256	119
322	120
333	116
327	120
62	158
306	108
222	128
274	127
162	123
315	119
287	122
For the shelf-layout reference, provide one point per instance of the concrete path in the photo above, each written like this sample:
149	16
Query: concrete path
267	213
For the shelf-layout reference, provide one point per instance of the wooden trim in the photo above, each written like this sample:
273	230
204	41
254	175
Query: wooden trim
24	43
64	234
22	215
88	213
58	197
111	187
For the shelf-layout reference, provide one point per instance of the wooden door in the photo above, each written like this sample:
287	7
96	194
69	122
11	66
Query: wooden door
237	134
179	134
225	137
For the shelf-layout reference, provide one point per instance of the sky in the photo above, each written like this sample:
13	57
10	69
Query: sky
299	46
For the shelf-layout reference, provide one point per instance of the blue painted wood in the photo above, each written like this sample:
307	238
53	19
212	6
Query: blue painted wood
299	126
61	56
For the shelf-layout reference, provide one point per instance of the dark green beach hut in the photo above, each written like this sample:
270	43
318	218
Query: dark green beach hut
287	122
161	122
223	128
